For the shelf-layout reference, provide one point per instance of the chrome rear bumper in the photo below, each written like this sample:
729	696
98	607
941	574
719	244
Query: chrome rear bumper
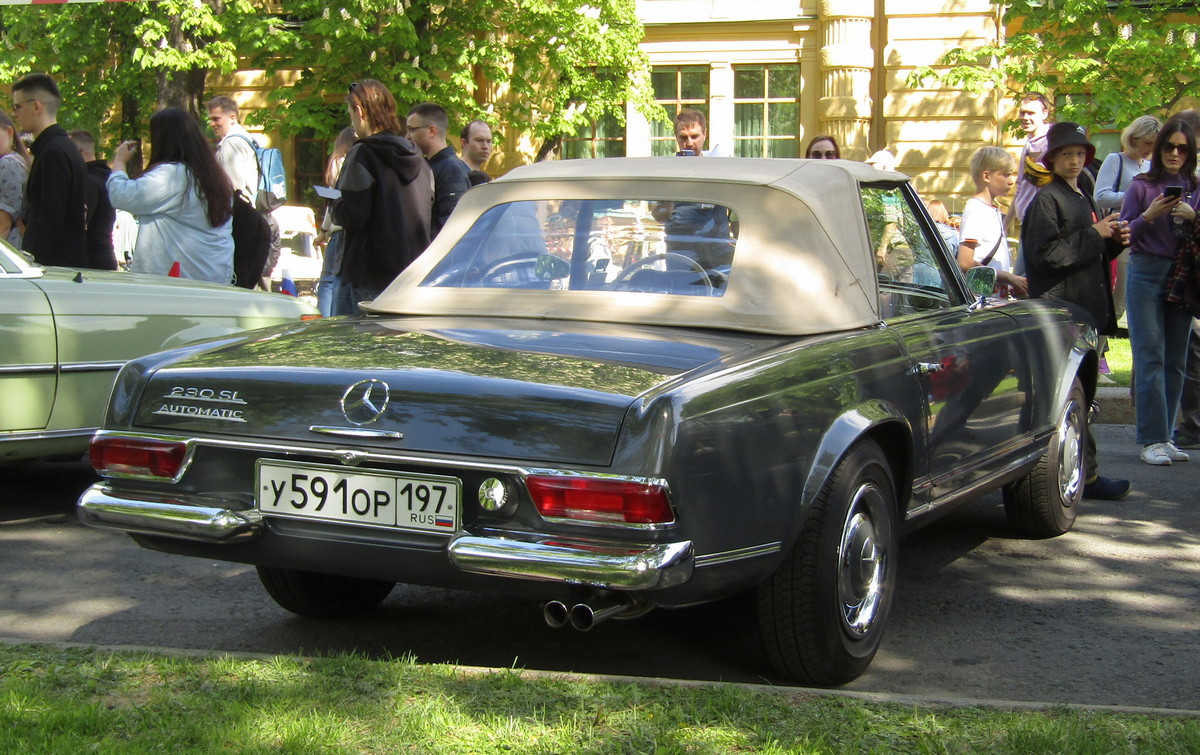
173	516
601	564
582	563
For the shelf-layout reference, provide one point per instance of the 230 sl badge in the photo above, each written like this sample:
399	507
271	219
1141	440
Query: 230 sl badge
206	395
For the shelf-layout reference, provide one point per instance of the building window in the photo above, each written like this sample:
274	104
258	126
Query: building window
676	88
766	111
604	138
311	153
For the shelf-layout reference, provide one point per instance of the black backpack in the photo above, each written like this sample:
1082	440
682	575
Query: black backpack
251	243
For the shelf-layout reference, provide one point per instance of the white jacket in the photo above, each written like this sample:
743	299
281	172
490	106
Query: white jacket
173	225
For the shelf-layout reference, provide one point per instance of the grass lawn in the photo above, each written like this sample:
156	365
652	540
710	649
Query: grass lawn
56	700
1120	360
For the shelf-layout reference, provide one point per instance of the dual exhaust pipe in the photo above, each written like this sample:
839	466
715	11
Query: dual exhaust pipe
582	616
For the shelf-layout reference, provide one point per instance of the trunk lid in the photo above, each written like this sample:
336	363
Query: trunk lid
465	387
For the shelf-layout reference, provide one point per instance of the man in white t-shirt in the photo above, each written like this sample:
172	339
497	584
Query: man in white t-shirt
982	238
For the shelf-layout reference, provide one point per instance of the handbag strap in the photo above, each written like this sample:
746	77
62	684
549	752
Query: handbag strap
986	260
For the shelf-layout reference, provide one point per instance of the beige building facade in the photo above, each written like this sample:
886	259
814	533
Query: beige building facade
841	67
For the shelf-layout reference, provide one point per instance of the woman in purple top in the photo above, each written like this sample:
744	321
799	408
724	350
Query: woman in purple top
1160	205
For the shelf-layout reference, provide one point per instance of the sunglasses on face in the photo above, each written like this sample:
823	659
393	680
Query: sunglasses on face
819	155
1182	149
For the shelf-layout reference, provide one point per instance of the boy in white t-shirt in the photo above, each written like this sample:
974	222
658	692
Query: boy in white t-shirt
982	240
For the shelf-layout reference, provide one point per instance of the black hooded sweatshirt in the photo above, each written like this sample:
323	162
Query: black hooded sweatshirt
385	209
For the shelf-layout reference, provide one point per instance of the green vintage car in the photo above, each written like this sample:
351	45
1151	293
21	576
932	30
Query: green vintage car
65	333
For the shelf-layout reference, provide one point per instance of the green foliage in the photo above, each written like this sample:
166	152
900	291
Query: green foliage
558	65
548	67
118	62
1109	61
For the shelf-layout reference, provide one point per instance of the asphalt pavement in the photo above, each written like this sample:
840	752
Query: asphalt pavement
1105	615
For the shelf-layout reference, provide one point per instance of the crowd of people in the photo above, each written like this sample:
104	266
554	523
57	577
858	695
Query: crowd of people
396	183
1108	238
1117	238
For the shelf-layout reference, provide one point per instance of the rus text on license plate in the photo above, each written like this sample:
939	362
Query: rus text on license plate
425	503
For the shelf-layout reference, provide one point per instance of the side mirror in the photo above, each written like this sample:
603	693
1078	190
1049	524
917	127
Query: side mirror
981	281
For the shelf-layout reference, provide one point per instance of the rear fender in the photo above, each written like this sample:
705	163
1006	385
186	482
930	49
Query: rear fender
878	421
1084	363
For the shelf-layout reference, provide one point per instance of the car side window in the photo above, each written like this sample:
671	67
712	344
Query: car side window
912	277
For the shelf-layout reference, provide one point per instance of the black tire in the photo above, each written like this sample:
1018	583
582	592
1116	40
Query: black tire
822	613
322	596
1045	501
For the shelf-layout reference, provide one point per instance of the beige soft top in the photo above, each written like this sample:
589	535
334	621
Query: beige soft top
802	265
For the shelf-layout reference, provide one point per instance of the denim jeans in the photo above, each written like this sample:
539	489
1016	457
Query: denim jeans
1158	336
333	294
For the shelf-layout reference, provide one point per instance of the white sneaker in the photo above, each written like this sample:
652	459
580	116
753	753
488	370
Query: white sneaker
1157	454
1174	452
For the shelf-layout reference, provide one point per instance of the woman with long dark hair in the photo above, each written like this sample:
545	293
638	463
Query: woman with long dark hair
386	201
183	202
14	170
1160	207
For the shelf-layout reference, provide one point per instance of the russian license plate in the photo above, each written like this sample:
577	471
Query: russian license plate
424	503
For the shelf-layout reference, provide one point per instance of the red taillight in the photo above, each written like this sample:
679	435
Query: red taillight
593	499
143	457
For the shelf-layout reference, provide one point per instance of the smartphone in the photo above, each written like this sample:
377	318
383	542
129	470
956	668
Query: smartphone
1173	191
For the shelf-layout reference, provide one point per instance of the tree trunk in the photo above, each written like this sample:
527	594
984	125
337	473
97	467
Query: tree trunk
548	148
182	89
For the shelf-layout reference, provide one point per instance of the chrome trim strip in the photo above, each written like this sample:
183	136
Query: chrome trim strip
338	454
739	554
356	432
23	435
357	456
91	366
978	488
556	560
23	369
174	516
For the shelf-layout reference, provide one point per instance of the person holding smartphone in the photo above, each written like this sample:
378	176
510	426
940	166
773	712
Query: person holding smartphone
1160	207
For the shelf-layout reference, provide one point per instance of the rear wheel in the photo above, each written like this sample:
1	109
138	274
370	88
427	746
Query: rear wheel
322	596
822	613
1044	502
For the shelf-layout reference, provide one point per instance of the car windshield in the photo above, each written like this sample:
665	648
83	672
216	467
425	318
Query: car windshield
639	245
15	262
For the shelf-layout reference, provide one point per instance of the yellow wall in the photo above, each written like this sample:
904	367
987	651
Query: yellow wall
855	57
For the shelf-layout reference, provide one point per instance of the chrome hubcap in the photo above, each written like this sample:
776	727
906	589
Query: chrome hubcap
862	564
1070	455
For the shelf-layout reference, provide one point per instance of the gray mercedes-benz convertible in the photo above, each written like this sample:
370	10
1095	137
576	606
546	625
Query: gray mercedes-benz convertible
620	384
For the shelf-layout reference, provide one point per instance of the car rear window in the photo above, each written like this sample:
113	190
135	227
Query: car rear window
639	245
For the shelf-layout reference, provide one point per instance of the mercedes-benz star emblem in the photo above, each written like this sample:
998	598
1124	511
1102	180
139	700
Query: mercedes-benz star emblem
364	402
